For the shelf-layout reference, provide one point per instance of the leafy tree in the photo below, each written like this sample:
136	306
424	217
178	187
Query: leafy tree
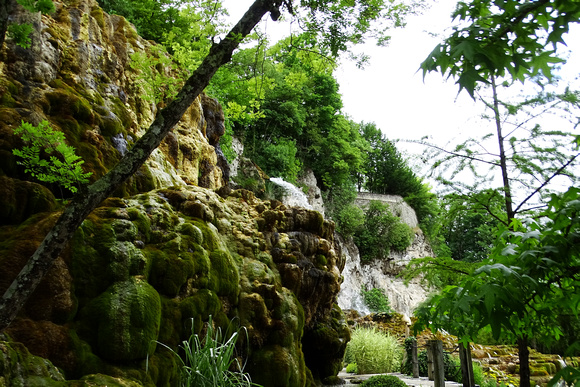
387	171
83	203
531	278
381	232
467	225
531	160
63	167
152	18
509	40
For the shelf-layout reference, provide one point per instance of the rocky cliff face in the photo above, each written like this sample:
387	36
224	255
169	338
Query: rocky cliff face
174	247
382	274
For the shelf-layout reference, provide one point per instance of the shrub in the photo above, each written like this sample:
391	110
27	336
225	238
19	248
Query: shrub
407	367
376	300
351	368
478	375
373	351
383	381
381	232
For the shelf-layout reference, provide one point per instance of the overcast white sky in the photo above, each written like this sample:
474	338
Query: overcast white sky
390	91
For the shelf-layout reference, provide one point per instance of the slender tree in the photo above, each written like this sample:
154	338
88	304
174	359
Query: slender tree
510	40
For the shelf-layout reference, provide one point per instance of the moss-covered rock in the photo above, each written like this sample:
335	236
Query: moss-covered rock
19	367
126	319
21	199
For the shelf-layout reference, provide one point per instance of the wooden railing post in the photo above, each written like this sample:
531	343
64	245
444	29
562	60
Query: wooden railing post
437	361
466	365
415	359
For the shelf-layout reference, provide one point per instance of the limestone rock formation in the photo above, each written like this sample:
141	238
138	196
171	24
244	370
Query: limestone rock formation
173	247
382	274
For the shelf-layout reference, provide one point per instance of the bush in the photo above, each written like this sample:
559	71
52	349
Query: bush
376	300
407	367
383	381
351	368
381	232
373	351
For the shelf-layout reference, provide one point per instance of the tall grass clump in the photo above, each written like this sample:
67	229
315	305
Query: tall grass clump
373	351
211	361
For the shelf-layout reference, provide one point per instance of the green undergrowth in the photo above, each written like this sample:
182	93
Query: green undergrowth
373	351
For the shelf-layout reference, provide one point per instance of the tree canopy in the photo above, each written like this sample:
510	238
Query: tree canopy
503	38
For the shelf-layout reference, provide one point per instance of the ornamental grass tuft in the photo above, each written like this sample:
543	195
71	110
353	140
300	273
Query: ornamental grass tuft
211	361
373	351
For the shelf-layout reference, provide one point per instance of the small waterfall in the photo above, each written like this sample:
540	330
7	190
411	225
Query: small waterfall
293	197
350	296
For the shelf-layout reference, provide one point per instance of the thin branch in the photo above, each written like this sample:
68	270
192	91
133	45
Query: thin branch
557	173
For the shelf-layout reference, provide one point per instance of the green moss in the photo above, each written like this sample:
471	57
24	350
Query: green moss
277	366
120	110
110	125
141	220
65	103
193	231
128	317
163	368
109	381
19	368
170	271
210	238
224	275
86	361
21	199
87	262
199	307
98	15
202	267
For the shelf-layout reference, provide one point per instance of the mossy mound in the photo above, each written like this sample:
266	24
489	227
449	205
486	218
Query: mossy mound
21	199
126	320
142	271
17	364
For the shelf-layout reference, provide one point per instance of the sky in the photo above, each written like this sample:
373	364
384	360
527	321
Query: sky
392	93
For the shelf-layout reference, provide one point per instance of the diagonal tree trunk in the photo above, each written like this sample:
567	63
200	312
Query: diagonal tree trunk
87	200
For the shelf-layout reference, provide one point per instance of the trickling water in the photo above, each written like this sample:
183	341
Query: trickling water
350	296
293	195
120	143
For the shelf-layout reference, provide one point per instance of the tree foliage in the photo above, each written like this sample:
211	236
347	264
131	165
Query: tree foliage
62	166
503	38
468	225
381	232
531	278
534	153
